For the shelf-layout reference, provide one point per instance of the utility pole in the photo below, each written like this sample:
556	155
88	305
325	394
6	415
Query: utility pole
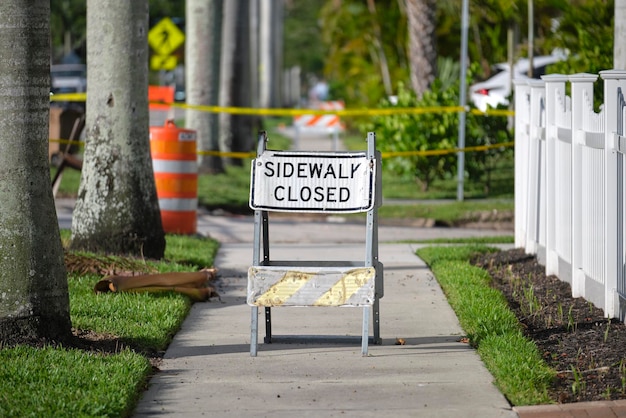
265	54
531	37
463	102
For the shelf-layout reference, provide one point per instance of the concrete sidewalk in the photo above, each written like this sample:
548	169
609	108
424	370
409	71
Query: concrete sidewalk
208	371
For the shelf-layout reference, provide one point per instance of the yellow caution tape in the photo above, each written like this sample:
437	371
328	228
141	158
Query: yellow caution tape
68	97
66	141
228	154
344	112
384	154
493	112
391	154
296	112
81	97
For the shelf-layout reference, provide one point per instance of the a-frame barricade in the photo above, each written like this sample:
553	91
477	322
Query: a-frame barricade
315	182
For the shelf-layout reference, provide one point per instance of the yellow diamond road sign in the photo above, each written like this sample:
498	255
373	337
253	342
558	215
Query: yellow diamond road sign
165	37
163	62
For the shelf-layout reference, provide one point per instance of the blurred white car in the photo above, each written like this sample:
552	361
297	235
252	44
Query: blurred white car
68	78
497	89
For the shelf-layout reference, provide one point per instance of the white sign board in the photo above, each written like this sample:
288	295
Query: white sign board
312	182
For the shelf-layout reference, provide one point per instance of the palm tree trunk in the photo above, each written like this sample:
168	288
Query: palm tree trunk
33	285
380	51
227	71
422	53
619	39
117	210
244	139
203	34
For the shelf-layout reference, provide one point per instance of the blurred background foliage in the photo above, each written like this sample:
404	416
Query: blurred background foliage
333	39
360	47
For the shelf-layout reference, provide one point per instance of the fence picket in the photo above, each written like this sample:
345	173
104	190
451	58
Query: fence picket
522	151
570	183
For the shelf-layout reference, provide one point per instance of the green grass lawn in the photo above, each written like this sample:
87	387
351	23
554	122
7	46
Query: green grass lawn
68	382
492	328
55	382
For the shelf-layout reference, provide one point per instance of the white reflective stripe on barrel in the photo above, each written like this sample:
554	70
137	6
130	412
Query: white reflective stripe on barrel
175	166
186	135
178	204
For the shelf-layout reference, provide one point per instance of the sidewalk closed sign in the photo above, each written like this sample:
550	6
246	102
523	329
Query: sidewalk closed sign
312	182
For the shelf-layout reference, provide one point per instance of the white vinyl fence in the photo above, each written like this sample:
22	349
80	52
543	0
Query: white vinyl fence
570	183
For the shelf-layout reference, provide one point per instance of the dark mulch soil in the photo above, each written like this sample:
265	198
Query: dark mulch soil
587	350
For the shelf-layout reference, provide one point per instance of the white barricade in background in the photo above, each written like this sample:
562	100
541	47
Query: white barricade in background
320	124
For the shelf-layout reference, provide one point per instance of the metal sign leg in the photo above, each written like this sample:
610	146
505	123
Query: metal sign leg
377	339
254	331
366	327
268	326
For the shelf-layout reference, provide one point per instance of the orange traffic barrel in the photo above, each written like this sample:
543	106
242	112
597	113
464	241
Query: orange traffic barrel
176	176
163	94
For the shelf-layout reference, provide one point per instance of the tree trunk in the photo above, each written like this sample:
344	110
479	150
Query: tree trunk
619	38
253	42
117	210
203	35
278	17
227	70
265	54
244	138
380	51
34	299
422	53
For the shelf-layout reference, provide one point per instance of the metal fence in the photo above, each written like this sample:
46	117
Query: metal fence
570	187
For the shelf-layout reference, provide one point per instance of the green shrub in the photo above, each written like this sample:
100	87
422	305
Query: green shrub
435	130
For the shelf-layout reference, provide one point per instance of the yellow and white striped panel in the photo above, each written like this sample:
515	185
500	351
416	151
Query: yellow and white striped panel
311	286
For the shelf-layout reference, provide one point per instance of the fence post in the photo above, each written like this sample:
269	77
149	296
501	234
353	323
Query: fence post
613	80
554	87
535	243
582	85
522	149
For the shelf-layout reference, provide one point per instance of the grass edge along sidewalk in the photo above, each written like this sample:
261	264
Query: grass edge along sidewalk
490	326
67	382
52	380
